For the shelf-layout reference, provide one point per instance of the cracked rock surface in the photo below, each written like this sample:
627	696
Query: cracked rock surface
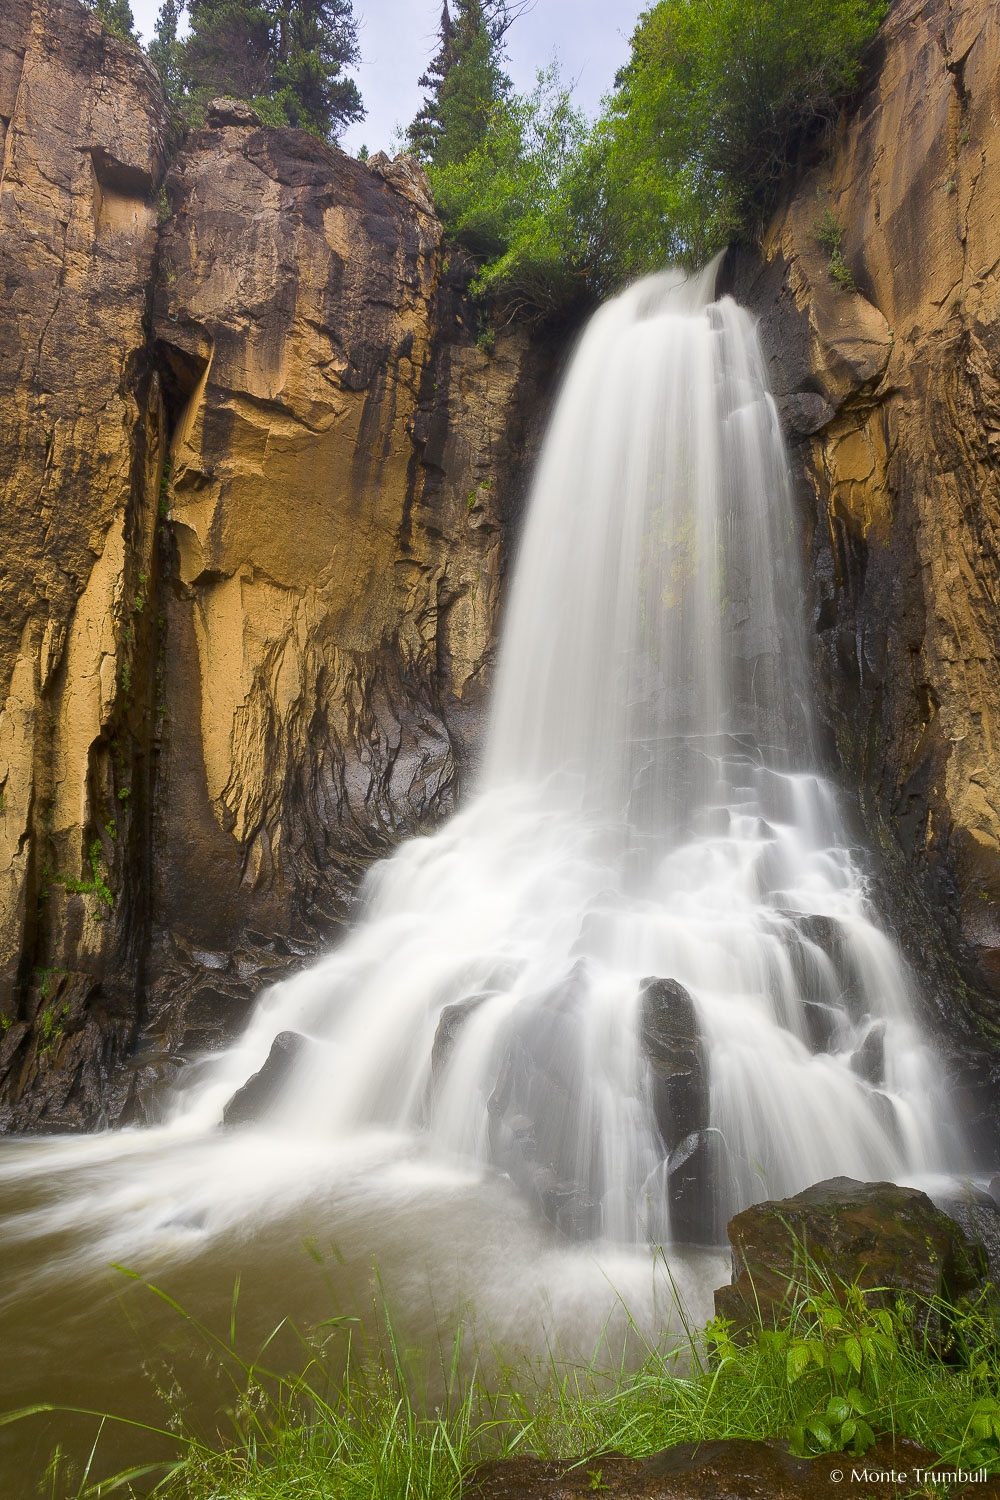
259	484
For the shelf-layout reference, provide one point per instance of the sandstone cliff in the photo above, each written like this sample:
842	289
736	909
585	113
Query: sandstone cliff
889	382
256	479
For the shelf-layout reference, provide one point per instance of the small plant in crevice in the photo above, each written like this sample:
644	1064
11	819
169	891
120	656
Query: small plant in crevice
45	981
164	490
96	886
829	232
486	339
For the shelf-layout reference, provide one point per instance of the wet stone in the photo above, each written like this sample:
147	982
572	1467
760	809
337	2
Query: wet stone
721	1469
890	1240
671	1040
252	1102
869	1059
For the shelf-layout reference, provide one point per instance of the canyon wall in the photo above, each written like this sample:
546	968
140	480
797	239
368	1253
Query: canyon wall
257	484
879	302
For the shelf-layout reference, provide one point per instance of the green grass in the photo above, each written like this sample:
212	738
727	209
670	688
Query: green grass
841	1374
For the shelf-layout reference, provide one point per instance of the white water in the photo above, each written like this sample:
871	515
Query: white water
648	806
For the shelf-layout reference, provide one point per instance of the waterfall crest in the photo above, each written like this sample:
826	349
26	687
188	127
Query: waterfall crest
639	972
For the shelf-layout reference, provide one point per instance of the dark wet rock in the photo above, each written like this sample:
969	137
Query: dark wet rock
671	1040
890	1240
979	1217
692	1176
869	1059
723	1469
252	1102
450	1022
994	1189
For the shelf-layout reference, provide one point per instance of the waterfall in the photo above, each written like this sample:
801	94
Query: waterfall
639	973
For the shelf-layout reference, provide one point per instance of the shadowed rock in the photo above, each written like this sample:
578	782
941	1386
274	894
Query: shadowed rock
260	1092
671	1040
889	1240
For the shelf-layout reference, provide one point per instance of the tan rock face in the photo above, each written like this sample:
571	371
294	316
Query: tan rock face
343	464
256	484
891	393
84	129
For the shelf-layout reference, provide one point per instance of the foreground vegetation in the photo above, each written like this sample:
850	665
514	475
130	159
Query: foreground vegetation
841	1375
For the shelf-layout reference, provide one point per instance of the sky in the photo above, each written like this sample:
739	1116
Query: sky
399	37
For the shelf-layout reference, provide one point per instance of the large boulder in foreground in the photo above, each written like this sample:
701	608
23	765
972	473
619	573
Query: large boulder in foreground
887	1239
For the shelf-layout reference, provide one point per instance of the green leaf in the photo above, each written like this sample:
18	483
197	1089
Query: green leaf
797	1361
837	1409
820	1431
858	1401
864	1437
848	1430
852	1349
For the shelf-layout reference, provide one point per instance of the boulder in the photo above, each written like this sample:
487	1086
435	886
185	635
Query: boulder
253	1101
890	1240
671	1040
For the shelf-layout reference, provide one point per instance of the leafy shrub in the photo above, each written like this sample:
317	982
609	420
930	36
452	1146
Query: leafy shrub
703	122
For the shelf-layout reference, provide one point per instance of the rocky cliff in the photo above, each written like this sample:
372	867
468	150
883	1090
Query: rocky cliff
880	313
256	479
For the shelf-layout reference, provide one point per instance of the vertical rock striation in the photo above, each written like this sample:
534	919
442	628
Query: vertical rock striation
256	477
84	130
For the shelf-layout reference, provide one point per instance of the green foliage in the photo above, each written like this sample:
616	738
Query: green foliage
97	885
829	232
513	200
703	121
285	57
115	16
465	81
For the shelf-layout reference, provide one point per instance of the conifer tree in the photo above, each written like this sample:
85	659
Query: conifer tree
465	81
116	15
166	50
287	57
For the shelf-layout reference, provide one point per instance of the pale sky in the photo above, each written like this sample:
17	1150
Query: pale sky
399	37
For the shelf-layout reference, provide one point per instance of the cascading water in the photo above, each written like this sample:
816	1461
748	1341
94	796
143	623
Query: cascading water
637	975
648	810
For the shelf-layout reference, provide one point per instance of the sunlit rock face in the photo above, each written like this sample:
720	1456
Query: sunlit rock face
889	390
256	480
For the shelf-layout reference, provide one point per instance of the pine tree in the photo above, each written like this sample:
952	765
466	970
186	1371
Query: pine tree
116	15
314	41
424	134
465	81
166	50
286	56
